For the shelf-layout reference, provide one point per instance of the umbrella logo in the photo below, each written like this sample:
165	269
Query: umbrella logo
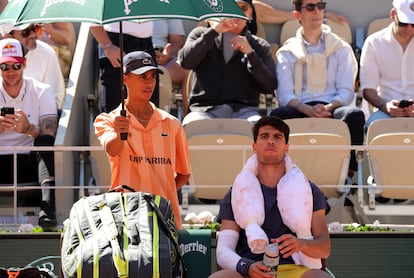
215	5
49	3
127	3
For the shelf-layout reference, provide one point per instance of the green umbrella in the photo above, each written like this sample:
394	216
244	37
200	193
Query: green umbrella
107	11
19	12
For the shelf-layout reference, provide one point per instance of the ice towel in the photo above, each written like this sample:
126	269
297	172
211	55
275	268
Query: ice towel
295	203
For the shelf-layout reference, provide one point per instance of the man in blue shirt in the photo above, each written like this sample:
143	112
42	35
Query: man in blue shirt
233	253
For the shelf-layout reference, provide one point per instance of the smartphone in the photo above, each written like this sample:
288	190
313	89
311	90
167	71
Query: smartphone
404	103
7	110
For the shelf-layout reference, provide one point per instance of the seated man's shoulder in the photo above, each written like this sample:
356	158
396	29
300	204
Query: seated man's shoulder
380	36
44	48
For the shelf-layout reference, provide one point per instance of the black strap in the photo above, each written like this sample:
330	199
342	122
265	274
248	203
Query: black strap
167	231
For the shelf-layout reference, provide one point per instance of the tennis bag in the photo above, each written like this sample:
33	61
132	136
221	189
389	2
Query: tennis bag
119	234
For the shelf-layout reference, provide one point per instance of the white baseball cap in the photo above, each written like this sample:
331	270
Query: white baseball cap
405	10
7	28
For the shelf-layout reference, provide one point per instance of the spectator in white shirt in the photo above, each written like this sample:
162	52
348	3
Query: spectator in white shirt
387	69
41	61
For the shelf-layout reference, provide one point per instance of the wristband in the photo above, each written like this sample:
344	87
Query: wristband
108	45
243	266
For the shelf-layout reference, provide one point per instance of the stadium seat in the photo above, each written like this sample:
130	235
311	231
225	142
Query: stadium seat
218	150
166	89
378	24
327	168
290	27
390	167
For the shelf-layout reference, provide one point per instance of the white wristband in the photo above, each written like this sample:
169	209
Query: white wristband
108	45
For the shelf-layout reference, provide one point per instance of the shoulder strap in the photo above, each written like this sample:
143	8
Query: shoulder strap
95	246
111	233
167	231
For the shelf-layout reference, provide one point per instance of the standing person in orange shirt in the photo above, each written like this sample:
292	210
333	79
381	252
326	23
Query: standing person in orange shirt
155	157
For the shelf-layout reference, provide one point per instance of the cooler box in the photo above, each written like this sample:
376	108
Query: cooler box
195	247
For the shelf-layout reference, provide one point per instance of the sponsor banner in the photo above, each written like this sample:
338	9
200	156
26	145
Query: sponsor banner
195	247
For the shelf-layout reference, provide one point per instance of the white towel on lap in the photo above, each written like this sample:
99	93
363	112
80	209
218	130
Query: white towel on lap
295	209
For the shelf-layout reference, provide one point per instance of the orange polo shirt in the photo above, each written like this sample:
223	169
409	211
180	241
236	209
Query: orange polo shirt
151	156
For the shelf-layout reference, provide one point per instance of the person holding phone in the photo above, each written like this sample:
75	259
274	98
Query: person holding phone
28	117
387	69
42	63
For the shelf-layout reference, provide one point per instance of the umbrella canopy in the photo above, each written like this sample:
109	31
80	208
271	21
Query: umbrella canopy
107	11
19	12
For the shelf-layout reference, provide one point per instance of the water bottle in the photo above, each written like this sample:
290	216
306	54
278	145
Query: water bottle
185	192
271	258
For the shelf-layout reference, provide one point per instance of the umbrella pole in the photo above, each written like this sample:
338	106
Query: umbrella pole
124	135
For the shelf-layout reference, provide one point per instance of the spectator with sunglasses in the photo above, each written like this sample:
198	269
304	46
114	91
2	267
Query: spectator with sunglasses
387	68
316	71
270	15
42	63
29	117
231	68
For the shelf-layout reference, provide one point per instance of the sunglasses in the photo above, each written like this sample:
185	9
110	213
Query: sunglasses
6	67
402	24
32	28
311	7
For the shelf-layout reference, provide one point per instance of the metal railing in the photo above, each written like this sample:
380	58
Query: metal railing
16	187
81	151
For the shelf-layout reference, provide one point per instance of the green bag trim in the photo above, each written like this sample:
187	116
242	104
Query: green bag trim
124	205
155	242
87	209
111	233
81	242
